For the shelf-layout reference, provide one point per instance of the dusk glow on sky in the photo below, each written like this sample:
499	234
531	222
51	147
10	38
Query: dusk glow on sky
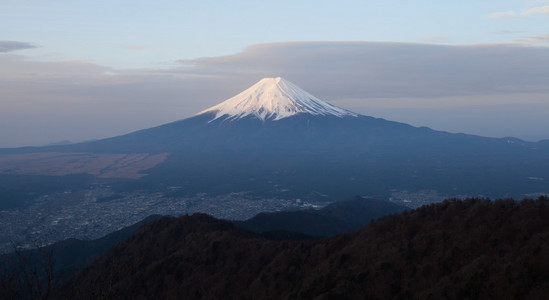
80	70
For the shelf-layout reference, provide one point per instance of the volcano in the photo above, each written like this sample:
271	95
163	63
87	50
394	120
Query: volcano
277	140
274	99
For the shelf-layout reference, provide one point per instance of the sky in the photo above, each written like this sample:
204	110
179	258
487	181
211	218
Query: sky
80	70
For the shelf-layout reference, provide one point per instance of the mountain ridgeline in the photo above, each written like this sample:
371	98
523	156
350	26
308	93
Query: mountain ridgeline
275	139
338	217
68	256
471	249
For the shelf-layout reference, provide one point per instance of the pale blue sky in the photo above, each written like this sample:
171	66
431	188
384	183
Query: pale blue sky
135	34
80	69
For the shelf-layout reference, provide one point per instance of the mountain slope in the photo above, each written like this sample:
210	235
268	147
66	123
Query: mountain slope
456	249
275	99
71	255
68	256
338	217
276	140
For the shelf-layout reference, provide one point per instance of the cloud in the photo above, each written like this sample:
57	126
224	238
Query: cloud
536	10
386	69
134	47
9	46
333	69
533	40
502	14
539	38
508	14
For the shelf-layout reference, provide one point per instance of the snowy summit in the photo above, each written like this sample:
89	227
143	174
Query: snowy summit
274	99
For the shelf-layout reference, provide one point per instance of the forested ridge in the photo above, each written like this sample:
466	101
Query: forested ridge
470	249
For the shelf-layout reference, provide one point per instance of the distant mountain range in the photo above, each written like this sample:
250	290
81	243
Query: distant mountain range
277	140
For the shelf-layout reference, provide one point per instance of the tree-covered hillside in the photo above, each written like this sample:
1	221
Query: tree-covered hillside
471	249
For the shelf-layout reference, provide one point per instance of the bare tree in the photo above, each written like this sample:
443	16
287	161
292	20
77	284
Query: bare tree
23	276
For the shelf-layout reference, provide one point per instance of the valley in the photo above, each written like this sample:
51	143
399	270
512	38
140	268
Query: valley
90	214
101	165
99	210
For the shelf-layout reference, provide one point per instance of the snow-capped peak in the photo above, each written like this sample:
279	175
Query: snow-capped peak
274	99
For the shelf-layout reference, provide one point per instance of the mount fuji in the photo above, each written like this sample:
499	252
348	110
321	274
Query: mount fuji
275	139
274	99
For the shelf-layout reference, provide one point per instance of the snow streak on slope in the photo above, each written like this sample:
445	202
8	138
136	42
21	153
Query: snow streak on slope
274	99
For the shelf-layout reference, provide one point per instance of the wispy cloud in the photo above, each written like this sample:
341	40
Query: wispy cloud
526	12
536	10
135	47
535	39
9	46
502	14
